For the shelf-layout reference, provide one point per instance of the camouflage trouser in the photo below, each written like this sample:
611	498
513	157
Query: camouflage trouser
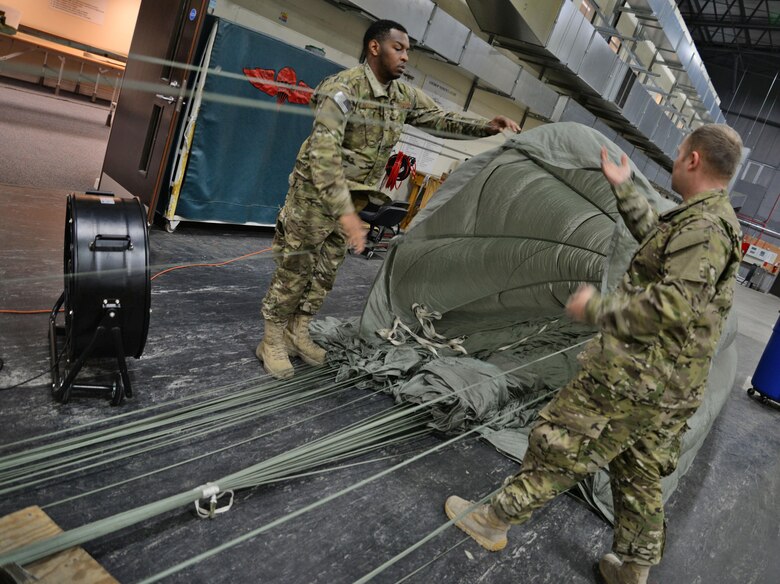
309	246
582	430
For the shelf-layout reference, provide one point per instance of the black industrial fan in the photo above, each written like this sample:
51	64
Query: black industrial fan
107	292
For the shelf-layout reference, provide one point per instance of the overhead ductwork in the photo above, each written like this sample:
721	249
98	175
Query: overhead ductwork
604	89
435	30
666	30
577	58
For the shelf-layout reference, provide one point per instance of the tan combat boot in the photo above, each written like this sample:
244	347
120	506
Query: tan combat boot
299	343
273	352
482	523
613	571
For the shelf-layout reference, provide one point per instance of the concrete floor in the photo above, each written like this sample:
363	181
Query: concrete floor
723	520
724	523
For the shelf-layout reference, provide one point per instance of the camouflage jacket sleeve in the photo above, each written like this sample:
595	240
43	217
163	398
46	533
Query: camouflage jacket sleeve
639	215
694	259
425	113
325	147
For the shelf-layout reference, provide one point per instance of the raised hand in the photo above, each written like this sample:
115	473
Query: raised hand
615	174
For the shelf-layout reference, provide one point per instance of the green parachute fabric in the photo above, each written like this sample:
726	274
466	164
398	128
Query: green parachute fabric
493	258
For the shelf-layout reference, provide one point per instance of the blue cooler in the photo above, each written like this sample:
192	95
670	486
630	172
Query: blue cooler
766	379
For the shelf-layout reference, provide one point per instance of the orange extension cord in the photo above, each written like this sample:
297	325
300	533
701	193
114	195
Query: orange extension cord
47	311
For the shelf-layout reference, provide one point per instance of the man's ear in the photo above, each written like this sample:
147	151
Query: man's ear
694	160
373	47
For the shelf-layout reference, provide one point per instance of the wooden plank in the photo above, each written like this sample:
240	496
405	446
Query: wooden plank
74	565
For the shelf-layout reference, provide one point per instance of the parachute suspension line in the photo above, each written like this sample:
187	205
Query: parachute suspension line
250	535
270	397
430	339
527	337
106	450
306	456
113	419
433	560
213	452
343	442
174	432
447	524
425	540
330	447
303	510
144	424
400	333
209	394
341	467
231	418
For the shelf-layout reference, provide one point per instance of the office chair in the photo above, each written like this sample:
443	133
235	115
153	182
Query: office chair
381	220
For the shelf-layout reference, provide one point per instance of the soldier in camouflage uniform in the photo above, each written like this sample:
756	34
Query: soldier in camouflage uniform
643	375
360	116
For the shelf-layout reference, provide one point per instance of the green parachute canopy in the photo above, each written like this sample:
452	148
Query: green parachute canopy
496	253
510	234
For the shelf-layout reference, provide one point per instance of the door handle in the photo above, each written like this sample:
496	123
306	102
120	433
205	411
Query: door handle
169	98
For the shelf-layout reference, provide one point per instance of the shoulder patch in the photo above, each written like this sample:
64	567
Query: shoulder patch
688	239
342	101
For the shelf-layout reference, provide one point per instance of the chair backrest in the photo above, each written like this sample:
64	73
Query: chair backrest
390	215
384	213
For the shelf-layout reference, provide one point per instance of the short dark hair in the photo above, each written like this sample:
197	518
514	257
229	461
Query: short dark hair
720	147
379	30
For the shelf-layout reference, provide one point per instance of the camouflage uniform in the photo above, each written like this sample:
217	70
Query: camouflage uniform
643	375
358	121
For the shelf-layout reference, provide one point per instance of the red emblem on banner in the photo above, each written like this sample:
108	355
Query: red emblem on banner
280	85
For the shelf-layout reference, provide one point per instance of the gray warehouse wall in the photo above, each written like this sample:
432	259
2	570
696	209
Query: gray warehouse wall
751	104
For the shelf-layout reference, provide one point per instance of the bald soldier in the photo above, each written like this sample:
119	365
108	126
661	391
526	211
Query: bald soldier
360	116
643	375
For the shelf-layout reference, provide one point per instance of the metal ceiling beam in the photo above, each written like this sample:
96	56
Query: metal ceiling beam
710	23
728	11
760	120
729	7
734	22
705	31
740	58
701	8
748	40
767	51
760	38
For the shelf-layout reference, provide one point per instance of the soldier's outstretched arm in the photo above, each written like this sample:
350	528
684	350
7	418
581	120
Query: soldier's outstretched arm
501	123
639	215
426	113
693	262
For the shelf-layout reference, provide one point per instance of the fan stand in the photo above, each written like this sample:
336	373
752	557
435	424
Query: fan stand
106	329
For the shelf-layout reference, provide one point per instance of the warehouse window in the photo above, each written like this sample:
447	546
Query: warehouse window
757	173
588	9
